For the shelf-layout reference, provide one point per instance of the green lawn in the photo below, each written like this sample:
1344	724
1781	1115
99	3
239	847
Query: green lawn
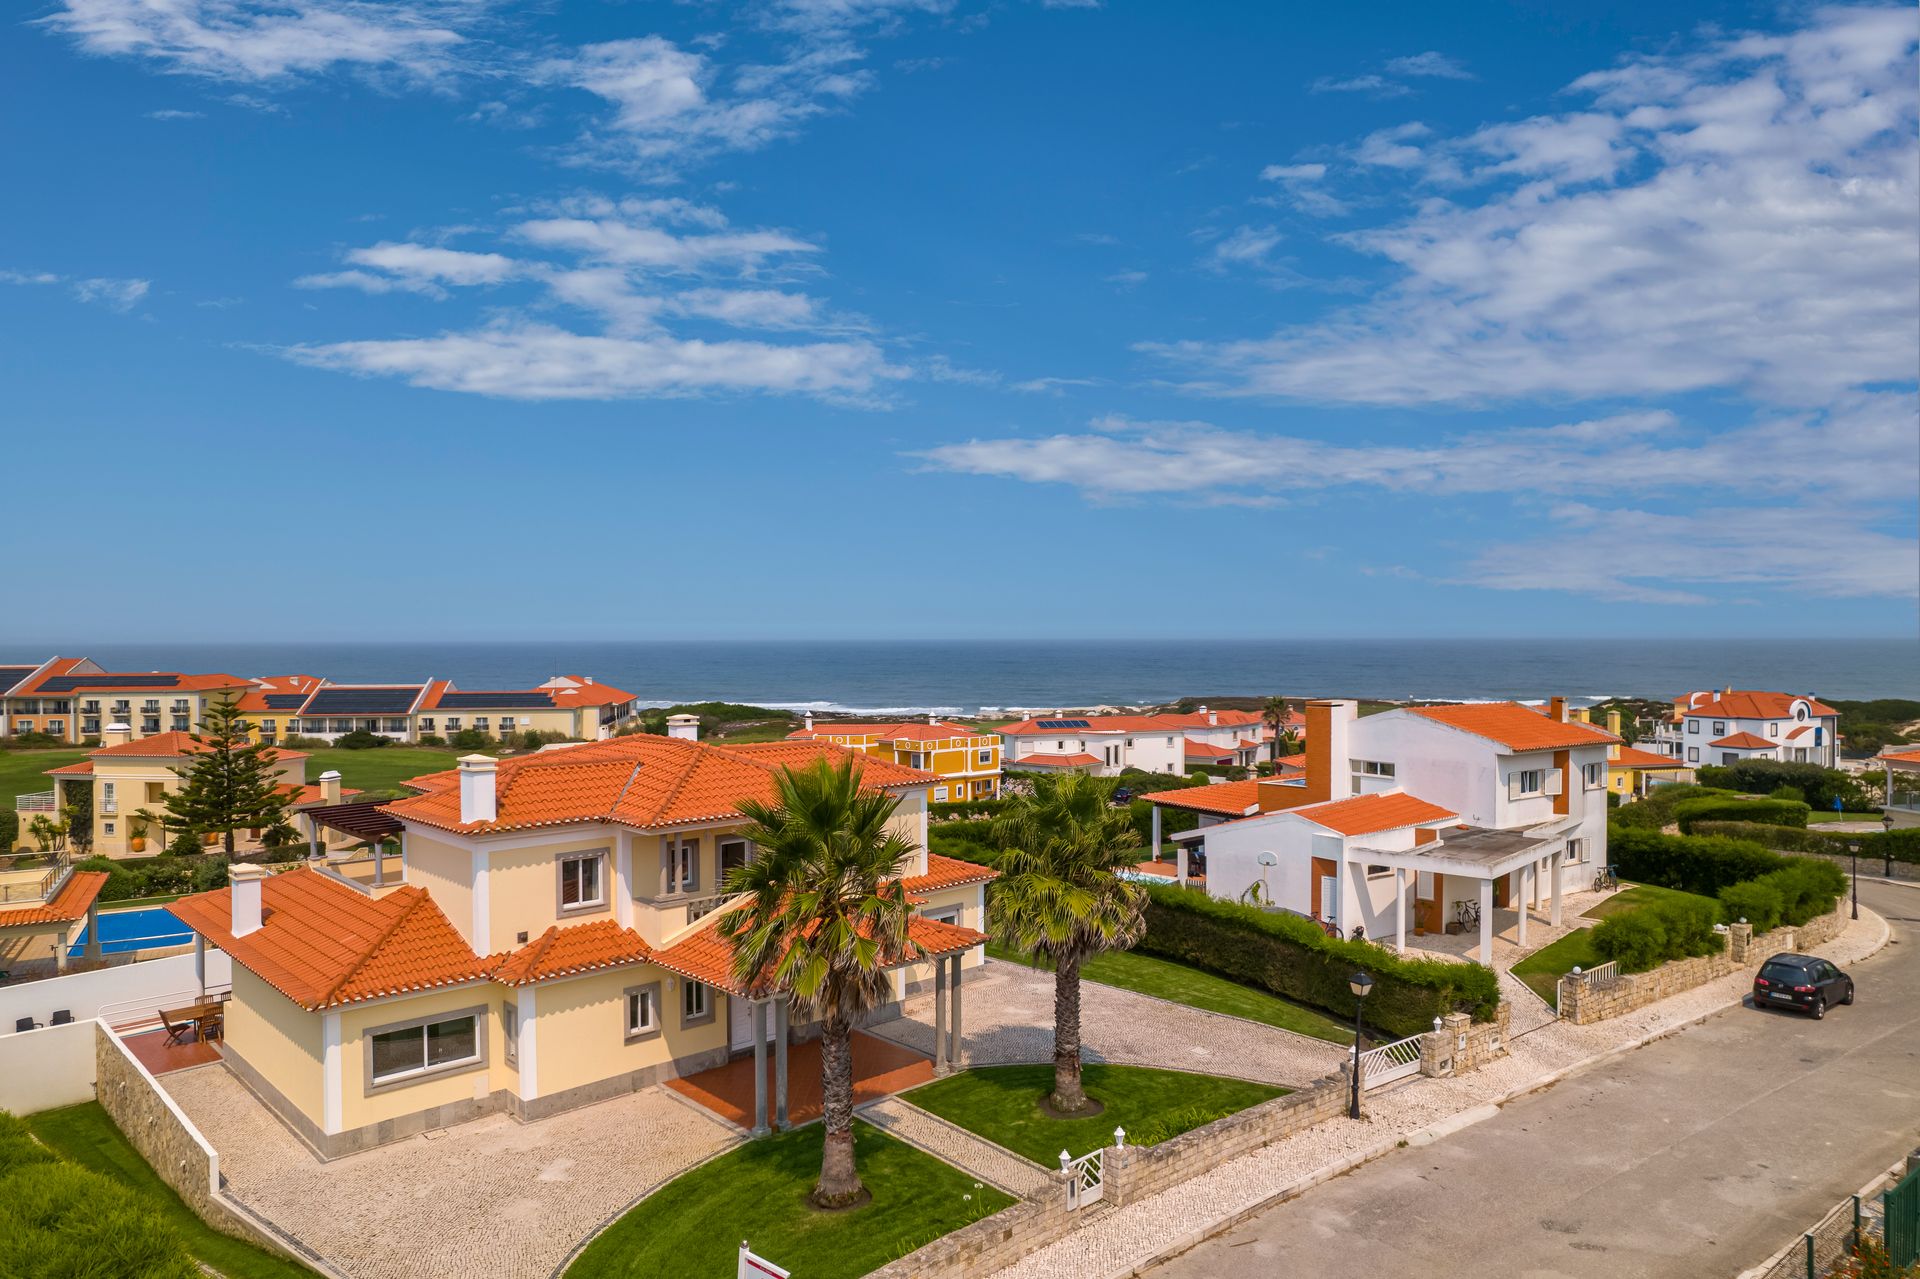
1542	970
758	1192
85	1135
24	772
1002	1104
1817	816
383	768
1180	984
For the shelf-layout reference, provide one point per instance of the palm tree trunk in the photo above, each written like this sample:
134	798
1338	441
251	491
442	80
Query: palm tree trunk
839	1183
1067	1093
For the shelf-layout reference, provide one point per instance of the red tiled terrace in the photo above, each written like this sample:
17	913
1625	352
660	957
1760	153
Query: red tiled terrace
880	1069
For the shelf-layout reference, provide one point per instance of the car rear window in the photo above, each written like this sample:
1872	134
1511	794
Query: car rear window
1776	970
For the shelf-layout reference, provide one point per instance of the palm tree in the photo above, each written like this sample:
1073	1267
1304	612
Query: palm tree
1060	898
826	917
1273	713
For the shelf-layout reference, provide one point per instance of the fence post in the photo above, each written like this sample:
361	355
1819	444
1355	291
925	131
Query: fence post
1811	1272
1854	1244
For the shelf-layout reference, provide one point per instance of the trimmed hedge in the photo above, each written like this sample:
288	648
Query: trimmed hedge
1693	863
1762	812
965	809
1673	928
1818	786
1656	810
1289	955
967	840
1903	844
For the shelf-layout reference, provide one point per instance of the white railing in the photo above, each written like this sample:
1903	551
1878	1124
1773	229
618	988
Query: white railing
40	801
1086	1179
700	907
1389	1062
139	1012
1600	976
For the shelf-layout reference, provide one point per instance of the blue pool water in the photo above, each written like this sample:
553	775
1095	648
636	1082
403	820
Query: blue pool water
124	930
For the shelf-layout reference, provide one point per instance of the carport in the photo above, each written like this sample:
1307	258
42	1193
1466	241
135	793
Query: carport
1485	857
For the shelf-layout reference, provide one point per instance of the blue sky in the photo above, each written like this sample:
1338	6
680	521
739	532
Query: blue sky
940	318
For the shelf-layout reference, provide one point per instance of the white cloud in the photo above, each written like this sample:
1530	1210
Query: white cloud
1245	246
1053	385
115	295
1127	279
1293	172
1432	64
174	114
28	277
1739	218
644	244
1377	85
542	362
253	41
1304	189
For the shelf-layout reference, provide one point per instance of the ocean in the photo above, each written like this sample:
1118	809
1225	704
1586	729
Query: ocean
956	678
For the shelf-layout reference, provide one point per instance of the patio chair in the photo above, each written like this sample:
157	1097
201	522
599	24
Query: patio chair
180	1023
62	1017
25	1023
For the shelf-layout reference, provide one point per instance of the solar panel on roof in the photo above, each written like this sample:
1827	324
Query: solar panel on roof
489	701
286	701
1061	723
362	701
68	683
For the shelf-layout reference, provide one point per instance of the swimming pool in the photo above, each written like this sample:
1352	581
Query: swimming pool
143	929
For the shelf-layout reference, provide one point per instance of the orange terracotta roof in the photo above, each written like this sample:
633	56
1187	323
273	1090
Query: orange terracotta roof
1800	731
1370	814
1293	761
322	944
1517	727
1230	798
70	903
171	746
705	956
948	872
566	952
1901	757
1633	757
640	781
1750	703
108	681
83	769
254	700
1054	761
1744	742
905	731
303	794
1132	723
1201	750
588	694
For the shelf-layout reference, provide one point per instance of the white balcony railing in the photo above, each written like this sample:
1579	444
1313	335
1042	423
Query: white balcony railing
42	801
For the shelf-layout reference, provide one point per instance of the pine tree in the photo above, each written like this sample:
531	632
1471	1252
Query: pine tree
231	784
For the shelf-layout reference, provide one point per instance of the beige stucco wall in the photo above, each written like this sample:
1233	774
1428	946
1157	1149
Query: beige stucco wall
357	1108
581	1028
446	872
523	888
279	1039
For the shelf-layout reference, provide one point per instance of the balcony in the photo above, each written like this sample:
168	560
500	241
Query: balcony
26	878
40	801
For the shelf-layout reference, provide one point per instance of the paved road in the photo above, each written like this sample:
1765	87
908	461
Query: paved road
1696	1156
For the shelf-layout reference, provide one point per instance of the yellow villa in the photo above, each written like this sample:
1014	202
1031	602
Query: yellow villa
547	940
967	760
130	779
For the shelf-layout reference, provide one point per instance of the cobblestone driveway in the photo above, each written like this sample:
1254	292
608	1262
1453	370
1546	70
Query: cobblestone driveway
491	1199
1007	1017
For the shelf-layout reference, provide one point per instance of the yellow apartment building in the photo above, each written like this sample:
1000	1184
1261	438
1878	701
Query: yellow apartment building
966	760
73	699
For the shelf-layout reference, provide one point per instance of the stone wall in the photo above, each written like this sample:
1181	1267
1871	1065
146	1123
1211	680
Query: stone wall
1583	1003
1129	1174
168	1141
1462	1045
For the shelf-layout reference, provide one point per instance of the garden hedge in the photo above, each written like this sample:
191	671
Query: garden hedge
1762	812
1656	810
1289	955
1818	786
1693	863
1673	928
1902	844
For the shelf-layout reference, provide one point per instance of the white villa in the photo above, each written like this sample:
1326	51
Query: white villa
1732	725
1105	745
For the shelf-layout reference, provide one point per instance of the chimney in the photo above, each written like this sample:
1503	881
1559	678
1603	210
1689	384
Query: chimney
1327	773
330	786
932	719
1557	709
685	727
1581	713
478	800
586	679
117	735
1613	722
806	721
246	879
1213	717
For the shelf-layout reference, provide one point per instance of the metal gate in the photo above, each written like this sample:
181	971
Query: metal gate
1902	1205
1086	1179
1389	1062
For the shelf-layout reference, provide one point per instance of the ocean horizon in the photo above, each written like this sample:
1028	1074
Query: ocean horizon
972	676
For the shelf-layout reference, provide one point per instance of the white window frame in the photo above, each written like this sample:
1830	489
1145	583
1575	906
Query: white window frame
644	999
943	914
1773	728
510	1034
402	1078
1693	726
940	794
597	857
984	757
1594	775
1525	783
696	1003
1693	754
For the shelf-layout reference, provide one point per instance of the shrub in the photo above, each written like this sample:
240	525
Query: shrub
184	844
965	809
967	840
209	873
295	742
432	739
1793	793
9	828
169	874
1289	955
1818	786
470	739
1759	903
33	741
1693	863
1656	810
1903	844
122	882
1765	812
1650	936
1807	886
360	740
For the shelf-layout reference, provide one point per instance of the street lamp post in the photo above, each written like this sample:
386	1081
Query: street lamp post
1360	984
1853	846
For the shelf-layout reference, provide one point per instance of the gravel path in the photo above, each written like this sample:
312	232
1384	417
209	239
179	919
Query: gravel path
988	1162
491	1199
1007	1018
1137	1233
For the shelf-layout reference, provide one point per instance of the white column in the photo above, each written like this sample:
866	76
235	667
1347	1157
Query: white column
331	1067
757	1027
1533	885
623	880
1400	909
1526	882
200	964
529	1043
1486	922
939	1016
1180	863
1156	827
780	1036
1554	873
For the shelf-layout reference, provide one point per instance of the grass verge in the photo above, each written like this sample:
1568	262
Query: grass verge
1180	984
1002	1104
88	1137
758	1192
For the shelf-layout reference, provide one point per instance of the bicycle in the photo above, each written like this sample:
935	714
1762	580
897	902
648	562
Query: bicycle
1605	881
1467	915
1330	928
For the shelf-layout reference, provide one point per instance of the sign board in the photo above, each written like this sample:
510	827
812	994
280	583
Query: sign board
756	1267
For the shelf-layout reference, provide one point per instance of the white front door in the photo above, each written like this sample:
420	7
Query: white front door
740	1023
1330	897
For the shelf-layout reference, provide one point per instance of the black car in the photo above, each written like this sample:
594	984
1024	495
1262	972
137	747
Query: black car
1803	983
1121	795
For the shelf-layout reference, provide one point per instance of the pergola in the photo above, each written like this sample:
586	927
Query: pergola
1482	855
365	821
